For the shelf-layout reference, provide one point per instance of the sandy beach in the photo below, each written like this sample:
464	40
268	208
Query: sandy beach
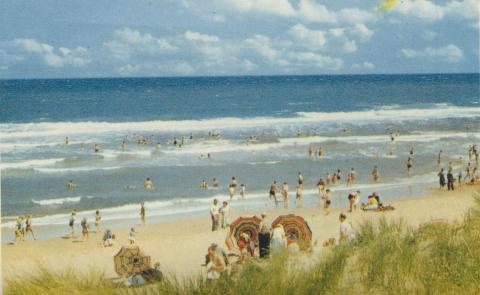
180	246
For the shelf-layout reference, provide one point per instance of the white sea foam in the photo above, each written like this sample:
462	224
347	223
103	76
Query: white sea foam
59	201
30	163
60	129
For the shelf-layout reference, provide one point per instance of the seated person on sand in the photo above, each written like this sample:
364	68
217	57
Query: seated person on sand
347	232
372	204
292	244
147	276
216	265
220	252
108	238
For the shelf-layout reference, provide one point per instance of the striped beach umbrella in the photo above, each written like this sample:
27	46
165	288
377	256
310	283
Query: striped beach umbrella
295	225
250	225
130	260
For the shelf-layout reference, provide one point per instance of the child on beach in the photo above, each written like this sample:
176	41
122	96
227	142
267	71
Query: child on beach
326	202
28	227
84	225
347	233
19	232
131	236
98	218
71	222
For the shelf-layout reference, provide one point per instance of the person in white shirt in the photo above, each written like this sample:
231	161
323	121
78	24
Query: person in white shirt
225	213
279	240
215	214
347	232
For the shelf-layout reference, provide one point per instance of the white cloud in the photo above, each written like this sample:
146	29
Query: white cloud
349	46
337	32
450	53
355	15
313	12
195	36
263	46
363	66
127	69
317	60
362	31
308	38
276	7
219	18
55	58
128	42
184	68
248	66
430	11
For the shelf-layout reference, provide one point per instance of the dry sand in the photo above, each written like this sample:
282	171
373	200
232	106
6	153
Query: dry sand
180	246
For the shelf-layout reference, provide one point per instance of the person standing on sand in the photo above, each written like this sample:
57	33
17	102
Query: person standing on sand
441	178
326	202
225	214
357	200
450	180
131	236
98	218
351	201
71	223
142	213
19	231
242	191
409	165
215	214
28	226
84	225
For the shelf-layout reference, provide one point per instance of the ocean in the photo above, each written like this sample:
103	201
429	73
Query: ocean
349	116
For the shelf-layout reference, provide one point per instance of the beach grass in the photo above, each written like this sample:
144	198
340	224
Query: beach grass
388	257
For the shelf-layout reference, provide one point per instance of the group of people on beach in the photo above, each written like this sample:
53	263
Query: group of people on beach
23	227
220	215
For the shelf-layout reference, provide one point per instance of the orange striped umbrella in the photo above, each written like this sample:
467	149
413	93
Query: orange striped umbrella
293	224
130	260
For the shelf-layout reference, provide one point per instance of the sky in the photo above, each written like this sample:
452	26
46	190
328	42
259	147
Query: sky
153	38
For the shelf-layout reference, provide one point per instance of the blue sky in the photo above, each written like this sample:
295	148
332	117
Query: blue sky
60	38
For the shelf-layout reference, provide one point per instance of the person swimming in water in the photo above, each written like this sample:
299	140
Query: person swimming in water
71	185
96	148
148	184
66	140
375	174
